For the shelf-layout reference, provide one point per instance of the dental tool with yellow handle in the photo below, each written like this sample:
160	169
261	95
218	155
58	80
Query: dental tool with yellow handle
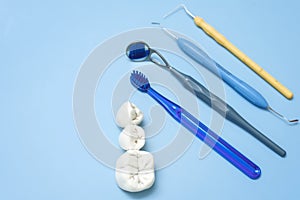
219	38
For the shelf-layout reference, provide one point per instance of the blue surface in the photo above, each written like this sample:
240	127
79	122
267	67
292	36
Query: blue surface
42	46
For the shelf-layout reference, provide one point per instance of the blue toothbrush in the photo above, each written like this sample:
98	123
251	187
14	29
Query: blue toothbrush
242	88
139	81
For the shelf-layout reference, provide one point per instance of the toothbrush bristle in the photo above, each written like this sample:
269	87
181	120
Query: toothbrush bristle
139	81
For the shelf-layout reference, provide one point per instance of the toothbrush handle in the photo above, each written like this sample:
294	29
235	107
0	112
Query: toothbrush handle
208	136
245	90
219	38
219	145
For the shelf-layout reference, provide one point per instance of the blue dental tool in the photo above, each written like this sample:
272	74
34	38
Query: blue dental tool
139	81
242	88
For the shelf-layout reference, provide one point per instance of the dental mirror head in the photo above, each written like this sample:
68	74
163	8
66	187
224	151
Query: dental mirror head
140	51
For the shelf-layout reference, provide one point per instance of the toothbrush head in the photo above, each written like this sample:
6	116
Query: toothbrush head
139	81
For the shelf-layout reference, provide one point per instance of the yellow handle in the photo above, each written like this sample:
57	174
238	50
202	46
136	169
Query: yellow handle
243	57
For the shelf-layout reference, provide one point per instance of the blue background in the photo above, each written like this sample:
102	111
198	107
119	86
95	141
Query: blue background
42	46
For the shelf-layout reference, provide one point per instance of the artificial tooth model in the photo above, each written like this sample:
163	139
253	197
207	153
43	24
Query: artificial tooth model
128	114
134	168
132	137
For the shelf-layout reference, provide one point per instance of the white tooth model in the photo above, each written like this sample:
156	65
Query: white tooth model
134	168
128	114
135	171
132	138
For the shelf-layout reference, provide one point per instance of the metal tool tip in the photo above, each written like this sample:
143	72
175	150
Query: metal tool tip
166	30
155	23
294	121
181	6
169	33
290	121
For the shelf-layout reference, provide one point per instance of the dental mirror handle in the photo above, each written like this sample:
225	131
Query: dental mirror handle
224	109
245	90
219	38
